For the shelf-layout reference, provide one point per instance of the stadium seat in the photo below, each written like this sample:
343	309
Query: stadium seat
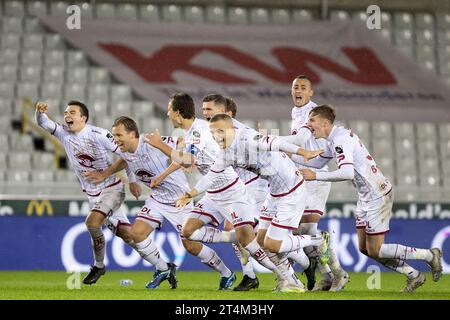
424	21
7	89
42	176
120	108
360	16
361	128
4	140
36	8
65	176
10	40
74	92
404	130
285	127
32	25
194	14
151	124
143	109
407	179
76	58
446	168
427	149
9	56
99	75
444	131
426	131
12	25
381	129
237	15
444	147
126	11
425	52
98	107
5	110
54	42
51	90
43	160
301	15
171	13
215	14
425	36
404	38
54	74
58	8
105	122
443	37
149	12
120	92
406	165
98	92
259	16
8	72
30	73
105	11
281	16
403	20
340	15
86	10
19	160
33	41
17	176
77	75
27	90
381	147
443	21
21	142
31	58
430	179
14	8
54	58
3	166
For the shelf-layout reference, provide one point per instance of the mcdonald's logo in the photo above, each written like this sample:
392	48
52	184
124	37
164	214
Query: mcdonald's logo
40	207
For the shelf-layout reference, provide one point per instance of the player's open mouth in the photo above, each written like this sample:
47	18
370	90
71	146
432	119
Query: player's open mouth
69	122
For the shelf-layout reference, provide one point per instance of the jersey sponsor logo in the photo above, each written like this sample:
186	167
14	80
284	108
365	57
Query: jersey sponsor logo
144	176
85	160
340	157
369	157
96	131
339	149
293	132
258	137
196	134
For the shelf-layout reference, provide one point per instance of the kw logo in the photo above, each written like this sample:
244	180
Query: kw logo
40	207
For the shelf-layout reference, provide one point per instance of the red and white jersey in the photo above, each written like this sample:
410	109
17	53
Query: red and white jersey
148	162
300	117
251	151
87	150
347	149
200	143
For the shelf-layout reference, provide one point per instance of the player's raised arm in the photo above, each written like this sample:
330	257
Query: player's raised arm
42	119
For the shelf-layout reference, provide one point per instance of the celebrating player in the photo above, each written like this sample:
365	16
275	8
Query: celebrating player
87	148
375	200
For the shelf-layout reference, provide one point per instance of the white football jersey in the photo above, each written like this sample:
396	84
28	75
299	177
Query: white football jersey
248	151
300	117
87	150
347	149
148	162
200	143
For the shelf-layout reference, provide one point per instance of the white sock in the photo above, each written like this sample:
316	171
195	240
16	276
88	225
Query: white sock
209	257
149	252
300	257
399	266
247	269
294	242
308	228
404	253
213	235
260	255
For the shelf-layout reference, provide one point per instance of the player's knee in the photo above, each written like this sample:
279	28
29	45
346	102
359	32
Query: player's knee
187	231
92	222
137	235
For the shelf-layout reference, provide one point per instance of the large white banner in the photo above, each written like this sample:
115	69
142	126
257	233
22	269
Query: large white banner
351	67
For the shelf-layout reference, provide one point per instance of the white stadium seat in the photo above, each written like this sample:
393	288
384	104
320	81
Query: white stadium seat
99	75
31	58
105	11
126	11
424	21
301	15
237	15
42	176
143	109
215	14
149	12
37	8
19	160
14	8
8	72
281	16
30	73
259	16
171	13
33	41
17	176
120	92
194	14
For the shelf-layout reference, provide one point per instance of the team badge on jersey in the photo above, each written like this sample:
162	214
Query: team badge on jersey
258	137
85	160
339	149
144	176
196	134
109	135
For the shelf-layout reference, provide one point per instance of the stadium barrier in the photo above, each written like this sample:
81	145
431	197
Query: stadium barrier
62	243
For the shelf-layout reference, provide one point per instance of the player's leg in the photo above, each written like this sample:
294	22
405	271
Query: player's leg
94	222
147	220
249	279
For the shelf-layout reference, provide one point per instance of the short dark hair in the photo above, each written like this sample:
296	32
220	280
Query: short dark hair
231	106
221	116
83	109
324	111
302	77
128	123
184	104
216	98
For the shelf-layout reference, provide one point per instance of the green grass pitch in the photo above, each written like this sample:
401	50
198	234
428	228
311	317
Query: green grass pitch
24	285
